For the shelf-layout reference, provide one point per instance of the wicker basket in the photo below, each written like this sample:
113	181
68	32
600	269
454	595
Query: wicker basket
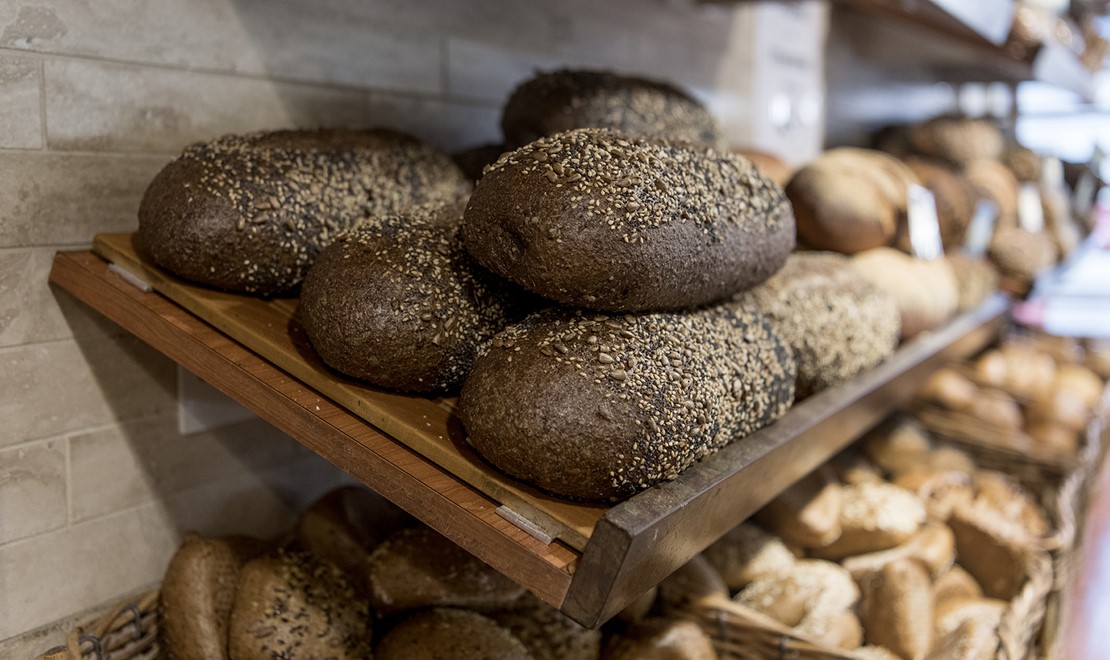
1065	560
742	634
1063	483
128	632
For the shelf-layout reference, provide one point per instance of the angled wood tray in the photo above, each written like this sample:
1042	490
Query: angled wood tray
410	450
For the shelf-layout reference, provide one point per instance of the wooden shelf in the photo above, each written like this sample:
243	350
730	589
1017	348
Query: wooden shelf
961	41
984	22
634	544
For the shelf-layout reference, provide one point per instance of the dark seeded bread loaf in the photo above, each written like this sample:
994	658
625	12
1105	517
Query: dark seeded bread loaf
198	592
591	219
836	322
563	100
248	213
449	634
293	605
598	407
400	304
548	633
418	568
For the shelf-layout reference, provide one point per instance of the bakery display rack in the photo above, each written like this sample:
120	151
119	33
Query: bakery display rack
589	561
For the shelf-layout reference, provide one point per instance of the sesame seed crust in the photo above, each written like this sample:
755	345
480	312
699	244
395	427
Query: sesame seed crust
566	99
592	219
249	213
836	322
399	303
597	407
294	605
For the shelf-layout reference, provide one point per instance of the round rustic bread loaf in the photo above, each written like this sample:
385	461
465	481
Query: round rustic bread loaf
813	588
996	182
198	592
1024	163
547	633
874	517
400	304
1021	254
592	219
849	200
598	407
926	291
897	608
292	604
747	553
564	100
660	638
954	194
694	583
807	513
448	634
958	140
837	323
775	168
248	213
976	279
418	567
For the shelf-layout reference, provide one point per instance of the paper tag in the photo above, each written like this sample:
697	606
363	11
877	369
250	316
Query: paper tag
1083	199
981	230
924	225
1030	211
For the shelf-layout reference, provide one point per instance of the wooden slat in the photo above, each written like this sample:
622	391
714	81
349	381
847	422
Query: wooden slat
426	425
642	540
428	492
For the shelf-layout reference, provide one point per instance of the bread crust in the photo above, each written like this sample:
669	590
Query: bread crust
595	220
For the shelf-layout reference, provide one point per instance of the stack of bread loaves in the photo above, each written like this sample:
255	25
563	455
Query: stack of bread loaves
907	552
637	233
360	579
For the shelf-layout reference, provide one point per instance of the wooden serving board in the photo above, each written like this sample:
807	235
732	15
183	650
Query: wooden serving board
269	327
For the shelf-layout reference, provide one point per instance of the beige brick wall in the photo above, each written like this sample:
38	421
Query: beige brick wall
96	485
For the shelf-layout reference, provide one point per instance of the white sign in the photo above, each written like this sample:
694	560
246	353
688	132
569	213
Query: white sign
924	225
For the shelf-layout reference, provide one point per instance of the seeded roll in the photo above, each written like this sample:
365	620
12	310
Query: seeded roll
597	407
548	633
249	213
400	304
563	100
291	604
445	634
198	592
837	323
595	220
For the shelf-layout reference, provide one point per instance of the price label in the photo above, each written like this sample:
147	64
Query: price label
981	229
1030	211
924	226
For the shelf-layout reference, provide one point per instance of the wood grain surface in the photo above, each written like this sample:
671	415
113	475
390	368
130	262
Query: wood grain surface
269	327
